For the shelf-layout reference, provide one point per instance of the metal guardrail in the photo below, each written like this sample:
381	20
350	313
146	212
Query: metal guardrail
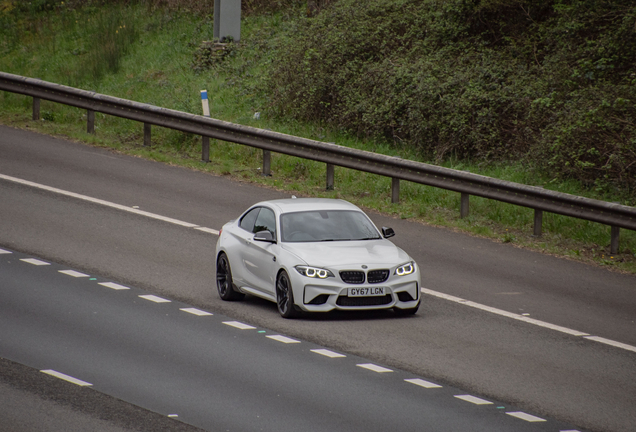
615	215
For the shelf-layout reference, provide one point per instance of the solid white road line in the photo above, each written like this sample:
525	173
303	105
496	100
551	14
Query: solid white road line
422	383
528	320
374	368
504	313
207	230
113	285
283	339
195	311
154	298
473	400
239	325
328	353
612	343
526	417
34	261
66	377
98	201
73	273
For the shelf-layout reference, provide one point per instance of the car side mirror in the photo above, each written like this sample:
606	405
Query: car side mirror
264	236
387	232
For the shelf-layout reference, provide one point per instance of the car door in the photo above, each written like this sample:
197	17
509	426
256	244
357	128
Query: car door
242	235
260	256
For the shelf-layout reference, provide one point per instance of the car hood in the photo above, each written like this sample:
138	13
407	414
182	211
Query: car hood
347	253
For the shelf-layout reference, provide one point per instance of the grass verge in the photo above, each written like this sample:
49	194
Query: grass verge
158	64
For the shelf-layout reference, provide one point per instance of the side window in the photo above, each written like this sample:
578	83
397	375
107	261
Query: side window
265	221
247	222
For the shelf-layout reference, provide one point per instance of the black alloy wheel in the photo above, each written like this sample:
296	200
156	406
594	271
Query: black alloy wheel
224	282
285	296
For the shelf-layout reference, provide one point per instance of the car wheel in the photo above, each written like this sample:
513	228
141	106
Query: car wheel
405	312
224	279
285	296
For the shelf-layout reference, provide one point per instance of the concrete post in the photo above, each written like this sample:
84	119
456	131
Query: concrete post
227	20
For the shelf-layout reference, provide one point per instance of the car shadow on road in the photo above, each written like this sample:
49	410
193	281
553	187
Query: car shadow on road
333	316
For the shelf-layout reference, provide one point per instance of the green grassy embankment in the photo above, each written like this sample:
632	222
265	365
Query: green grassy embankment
154	55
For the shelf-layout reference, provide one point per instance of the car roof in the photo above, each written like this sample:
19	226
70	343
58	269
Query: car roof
307	204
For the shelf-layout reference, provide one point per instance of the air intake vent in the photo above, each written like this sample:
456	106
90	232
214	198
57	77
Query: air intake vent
364	301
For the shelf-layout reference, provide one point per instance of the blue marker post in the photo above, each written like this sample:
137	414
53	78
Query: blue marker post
205	148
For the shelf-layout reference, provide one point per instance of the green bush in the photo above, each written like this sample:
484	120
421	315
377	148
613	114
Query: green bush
550	82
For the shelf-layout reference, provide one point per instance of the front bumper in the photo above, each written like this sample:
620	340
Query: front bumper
311	295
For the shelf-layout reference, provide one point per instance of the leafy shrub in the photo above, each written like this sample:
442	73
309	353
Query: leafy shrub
551	82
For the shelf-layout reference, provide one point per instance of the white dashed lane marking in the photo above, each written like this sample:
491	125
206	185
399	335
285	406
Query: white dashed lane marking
154	298
422	383
239	325
2	251
374	368
283	339
195	311
66	377
113	285
325	352
73	273
473	400
328	353
34	261
526	417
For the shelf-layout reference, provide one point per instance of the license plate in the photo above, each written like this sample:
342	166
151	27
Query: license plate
366	292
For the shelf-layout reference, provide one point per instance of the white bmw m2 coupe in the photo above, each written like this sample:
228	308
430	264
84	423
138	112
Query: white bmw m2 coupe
314	255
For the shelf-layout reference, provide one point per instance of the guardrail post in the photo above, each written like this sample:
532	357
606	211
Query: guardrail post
90	121
267	162
615	238
538	222
330	176
147	133
395	190
205	149
36	108
464	205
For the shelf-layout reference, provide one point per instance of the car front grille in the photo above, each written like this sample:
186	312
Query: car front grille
377	276
363	301
358	277
352	276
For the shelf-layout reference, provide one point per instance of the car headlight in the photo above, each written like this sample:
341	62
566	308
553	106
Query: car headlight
314	272
405	269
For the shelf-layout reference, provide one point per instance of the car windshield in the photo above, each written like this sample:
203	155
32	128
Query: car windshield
326	225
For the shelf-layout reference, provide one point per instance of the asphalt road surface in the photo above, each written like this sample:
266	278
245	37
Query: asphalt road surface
213	372
549	336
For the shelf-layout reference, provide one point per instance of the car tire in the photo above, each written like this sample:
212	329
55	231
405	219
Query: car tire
224	283
285	296
406	312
